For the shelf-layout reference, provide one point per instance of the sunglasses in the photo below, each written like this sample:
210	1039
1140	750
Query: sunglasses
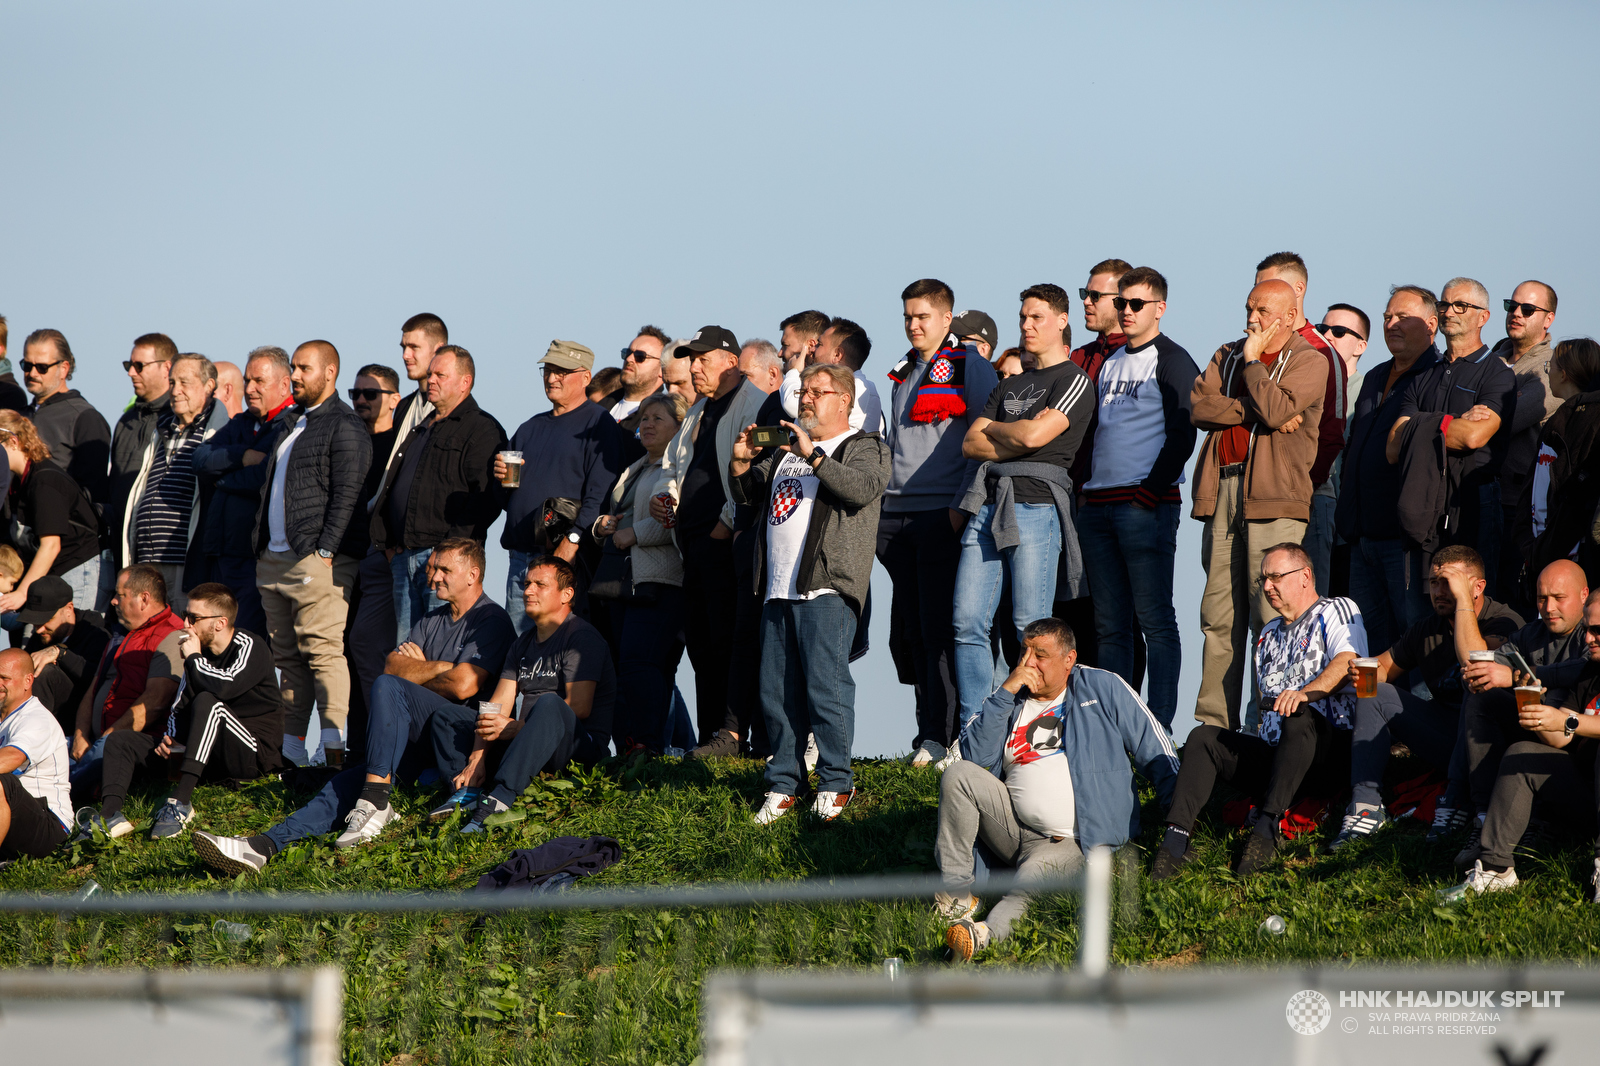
370	394
1460	307
1338	332
1510	306
139	368
192	618
1092	297
1122	303
29	368
636	355
1593	631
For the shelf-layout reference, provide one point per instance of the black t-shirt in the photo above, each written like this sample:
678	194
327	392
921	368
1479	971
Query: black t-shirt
1430	645
574	652
358	535
1585	695
400	492
700	498
1064	387
51	504
481	637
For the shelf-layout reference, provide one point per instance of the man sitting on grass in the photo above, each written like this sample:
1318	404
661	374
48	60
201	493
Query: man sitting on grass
230	702
35	799
66	646
449	657
1555	770
1044	778
1428	727
1302	746
561	668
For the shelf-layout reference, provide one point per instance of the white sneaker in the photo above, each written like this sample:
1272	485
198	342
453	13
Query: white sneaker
775	806
951	756
1480	881
954	908
927	753
829	805
365	823
231	855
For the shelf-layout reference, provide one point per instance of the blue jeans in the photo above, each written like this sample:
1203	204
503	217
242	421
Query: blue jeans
1128	552
412	596
396	718
979	578
652	646
1319	540
1378	584
88	766
85	580
805	647
516	581
546	741
336	799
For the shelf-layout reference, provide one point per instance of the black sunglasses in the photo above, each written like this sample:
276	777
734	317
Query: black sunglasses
28	368
129	364
637	355
1122	303
1593	631
1090	296
1339	332
370	394
1510	305
192	618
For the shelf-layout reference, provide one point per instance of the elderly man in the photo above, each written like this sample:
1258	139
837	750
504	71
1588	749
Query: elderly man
821	495
675	372
1046	778
233	463
230	388
1260	403
35	805
1302	745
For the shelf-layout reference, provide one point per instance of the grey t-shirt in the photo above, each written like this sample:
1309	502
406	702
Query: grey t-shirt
480	637
1557	660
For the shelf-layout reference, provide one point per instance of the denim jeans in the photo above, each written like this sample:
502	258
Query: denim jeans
1128	552
516	582
983	569
546	741
652	646
1319	541
84	580
89	766
396	718
412	596
805	647
1378	573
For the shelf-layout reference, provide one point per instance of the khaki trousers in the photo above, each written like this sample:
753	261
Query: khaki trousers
306	602
1230	551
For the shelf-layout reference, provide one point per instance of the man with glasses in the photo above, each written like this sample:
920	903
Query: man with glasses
76	434
1471	395
641	376
572	453
149	369
1301	746
1530	313
1346	328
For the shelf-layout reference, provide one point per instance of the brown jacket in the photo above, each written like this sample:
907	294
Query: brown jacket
1231	392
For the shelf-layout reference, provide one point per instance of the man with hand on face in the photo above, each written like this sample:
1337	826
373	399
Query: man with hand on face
1302	746
1260	403
313	476
149	369
233	462
573	452
641	376
1530	313
66	646
1047	777
820	496
799	335
842	343
1021	495
1437	648
35	804
696	464
76	434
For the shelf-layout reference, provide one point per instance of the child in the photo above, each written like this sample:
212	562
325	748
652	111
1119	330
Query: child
10	568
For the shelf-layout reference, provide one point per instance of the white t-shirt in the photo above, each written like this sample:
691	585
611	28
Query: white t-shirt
1541	488
1036	773
277	530
624	408
794	494
34	731
866	413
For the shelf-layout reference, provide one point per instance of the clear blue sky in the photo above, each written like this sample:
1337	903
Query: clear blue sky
237	176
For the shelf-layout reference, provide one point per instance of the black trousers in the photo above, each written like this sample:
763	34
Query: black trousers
920	551
710	604
652	645
1311	757
35	830
744	667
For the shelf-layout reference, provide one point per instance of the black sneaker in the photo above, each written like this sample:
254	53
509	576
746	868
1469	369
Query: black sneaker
1167	865
1259	850
724	745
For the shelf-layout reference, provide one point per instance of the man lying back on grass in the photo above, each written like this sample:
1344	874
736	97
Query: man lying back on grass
1045	777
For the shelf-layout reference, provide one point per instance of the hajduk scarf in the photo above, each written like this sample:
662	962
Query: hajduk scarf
940	393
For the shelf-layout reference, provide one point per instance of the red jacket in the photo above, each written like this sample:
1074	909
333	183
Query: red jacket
1330	433
132	662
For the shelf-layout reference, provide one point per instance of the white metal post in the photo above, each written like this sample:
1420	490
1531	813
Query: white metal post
1094	914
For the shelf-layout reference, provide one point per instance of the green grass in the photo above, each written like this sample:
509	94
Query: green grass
625	986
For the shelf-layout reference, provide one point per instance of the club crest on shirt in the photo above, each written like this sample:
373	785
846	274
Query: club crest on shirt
786	496
1020	403
941	371
1037	739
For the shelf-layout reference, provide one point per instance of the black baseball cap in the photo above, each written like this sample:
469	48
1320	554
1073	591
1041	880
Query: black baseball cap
975	324
710	338
46	596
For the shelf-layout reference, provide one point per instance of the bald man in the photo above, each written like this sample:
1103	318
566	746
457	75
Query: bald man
35	797
230	388
1260	403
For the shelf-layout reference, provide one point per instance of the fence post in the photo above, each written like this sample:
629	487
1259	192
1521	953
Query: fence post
1094	914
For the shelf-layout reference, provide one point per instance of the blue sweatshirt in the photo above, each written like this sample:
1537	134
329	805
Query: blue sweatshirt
927	469
576	456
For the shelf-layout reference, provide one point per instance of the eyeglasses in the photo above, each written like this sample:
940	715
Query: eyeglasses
637	356
1273	579
1122	303
1092	297
1510	306
139	368
29	368
1460	307
192	618
1593	631
1339	332
815	394
371	394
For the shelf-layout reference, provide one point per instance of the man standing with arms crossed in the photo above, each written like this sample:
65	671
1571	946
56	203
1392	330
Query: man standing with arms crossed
1530	313
920	526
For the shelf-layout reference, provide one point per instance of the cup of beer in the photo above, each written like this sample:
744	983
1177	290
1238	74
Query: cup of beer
1366	678
672	506
513	461
1527	696
1480	656
488	708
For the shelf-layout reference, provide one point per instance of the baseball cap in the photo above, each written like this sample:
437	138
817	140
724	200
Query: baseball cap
46	596
569	355
708	338
975	324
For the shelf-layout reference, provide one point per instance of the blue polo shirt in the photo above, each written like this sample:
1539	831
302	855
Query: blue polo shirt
1455	386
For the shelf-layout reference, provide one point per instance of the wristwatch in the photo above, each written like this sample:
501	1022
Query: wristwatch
325	553
1572	724
816	454
574	536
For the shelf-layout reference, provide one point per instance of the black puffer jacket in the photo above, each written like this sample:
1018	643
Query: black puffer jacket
454	492
327	464
129	441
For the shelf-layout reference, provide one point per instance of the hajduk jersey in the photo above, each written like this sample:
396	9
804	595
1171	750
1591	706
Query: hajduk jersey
794	493
1291	655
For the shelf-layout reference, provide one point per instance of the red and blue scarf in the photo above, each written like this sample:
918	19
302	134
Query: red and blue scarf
940	393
